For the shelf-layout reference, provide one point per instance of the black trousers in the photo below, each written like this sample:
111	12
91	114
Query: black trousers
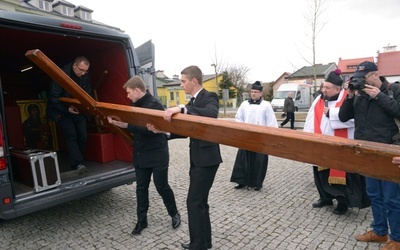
75	136
201	180
289	116
160	176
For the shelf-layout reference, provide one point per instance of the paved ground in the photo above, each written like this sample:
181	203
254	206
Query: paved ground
280	216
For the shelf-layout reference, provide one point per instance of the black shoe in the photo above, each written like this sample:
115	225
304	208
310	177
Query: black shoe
240	186
186	245
322	203
257	188
176	220
80	169
139	227
340	209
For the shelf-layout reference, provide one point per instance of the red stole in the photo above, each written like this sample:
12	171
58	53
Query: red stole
335	176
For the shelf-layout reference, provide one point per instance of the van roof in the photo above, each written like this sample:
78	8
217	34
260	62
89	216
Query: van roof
23	32
24	20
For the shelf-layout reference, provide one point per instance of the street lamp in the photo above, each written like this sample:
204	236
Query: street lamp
216	76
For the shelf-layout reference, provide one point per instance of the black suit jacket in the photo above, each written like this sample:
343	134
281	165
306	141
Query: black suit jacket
203	153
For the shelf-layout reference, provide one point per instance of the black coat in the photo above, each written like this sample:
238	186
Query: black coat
288	105
150	150
55	109
374	118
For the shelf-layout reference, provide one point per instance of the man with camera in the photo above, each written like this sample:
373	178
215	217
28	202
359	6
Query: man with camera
374	103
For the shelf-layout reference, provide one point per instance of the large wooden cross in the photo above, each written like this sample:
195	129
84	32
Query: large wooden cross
355	156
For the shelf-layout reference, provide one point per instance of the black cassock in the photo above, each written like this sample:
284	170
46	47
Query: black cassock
250	168
354	192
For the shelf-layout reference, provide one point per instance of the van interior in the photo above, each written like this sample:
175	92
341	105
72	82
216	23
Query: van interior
23	85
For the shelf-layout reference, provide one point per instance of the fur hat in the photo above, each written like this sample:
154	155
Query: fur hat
335	78
257	86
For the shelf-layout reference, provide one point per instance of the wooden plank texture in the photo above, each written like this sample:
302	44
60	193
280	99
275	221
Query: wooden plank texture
367	158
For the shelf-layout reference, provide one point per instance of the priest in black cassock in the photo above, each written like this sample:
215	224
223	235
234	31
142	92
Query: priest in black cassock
250	167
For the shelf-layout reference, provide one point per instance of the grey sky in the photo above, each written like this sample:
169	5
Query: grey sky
268	37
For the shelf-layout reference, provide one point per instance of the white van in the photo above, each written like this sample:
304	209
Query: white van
301	96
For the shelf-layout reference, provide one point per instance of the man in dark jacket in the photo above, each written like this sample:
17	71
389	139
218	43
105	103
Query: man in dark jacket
289	109
374	104
205	158
151	156
71	121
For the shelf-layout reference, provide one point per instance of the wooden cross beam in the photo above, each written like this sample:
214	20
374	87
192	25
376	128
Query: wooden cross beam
355	156
86	102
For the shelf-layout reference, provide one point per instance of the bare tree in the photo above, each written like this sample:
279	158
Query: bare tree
314	19
237	75
218	66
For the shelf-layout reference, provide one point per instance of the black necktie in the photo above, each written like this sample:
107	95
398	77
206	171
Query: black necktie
191	102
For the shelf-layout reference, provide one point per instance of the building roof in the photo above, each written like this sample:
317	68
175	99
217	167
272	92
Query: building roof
321	70
208	77
348	66
389	63
281	77
65	3
161	82
284	75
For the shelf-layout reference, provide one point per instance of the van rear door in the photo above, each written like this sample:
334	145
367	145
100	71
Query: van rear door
108	156
145	54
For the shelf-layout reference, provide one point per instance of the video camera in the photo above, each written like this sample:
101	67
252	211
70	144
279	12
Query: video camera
357	83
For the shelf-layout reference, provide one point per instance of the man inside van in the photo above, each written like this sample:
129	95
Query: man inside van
68	117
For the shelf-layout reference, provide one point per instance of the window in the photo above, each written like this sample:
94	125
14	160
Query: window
298	96
44	5
86	15
67	11
171	96
177	98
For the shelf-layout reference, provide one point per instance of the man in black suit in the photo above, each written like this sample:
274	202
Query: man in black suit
151	156
205	158
72	122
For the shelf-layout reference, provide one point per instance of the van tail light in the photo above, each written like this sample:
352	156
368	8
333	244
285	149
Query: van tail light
3	164
6	200
71	26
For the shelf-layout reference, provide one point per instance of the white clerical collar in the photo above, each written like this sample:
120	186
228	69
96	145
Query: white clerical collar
195	95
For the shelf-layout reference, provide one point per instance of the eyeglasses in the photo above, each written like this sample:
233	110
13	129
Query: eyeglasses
81	70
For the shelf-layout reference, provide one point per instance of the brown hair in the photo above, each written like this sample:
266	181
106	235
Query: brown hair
135	82
83	59
193	72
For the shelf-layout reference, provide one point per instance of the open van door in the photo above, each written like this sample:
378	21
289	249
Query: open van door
145	53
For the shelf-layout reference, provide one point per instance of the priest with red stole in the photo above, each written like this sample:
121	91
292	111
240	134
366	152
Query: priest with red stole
347	189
